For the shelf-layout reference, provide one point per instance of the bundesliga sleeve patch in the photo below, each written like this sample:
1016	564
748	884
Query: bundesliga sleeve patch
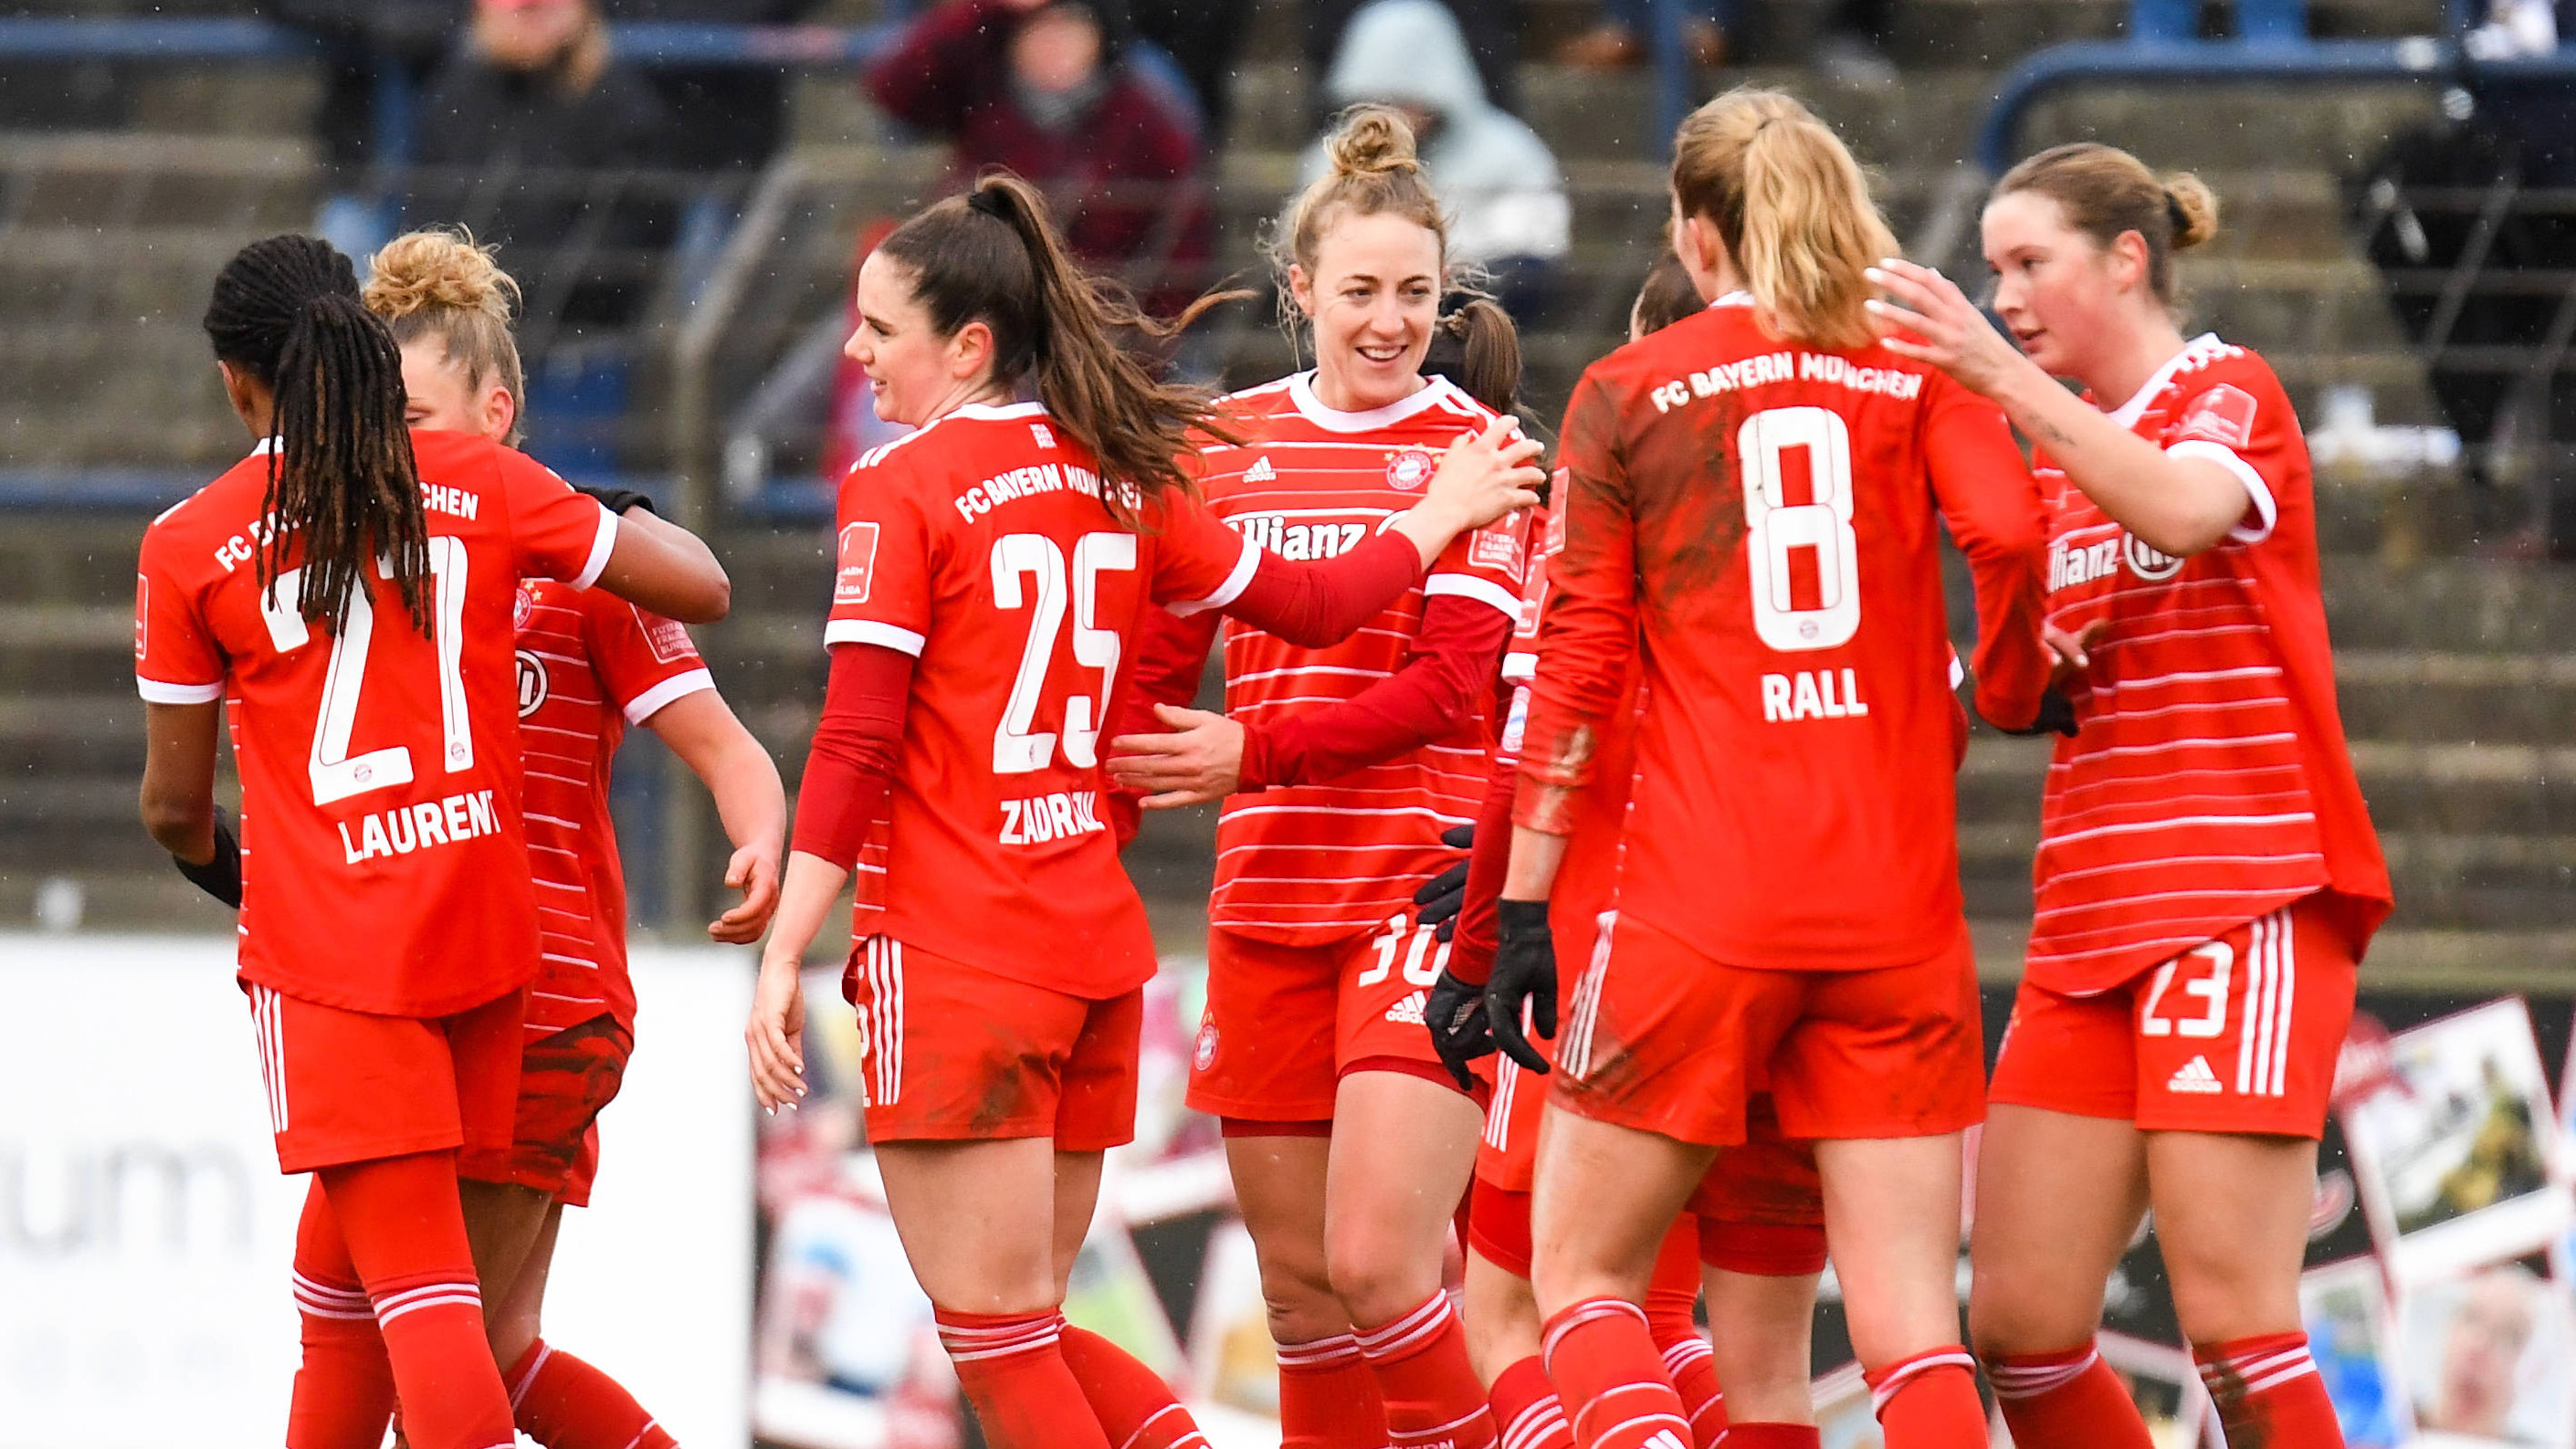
667	638
142	613
1494	547
2223	415
858	564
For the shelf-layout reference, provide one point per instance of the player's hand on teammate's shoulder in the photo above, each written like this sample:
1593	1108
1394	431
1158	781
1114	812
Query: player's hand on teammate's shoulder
1489	475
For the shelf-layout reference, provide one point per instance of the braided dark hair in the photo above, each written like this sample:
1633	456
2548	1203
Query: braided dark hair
340	472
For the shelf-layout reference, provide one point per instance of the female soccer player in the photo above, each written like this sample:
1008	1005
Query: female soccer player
348	589
1001	951
1350	1146
1755	1223
1751	510
2207	875
589	665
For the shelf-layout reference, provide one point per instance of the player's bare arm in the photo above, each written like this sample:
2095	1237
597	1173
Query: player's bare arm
703	731
667	569
179	778
2180	506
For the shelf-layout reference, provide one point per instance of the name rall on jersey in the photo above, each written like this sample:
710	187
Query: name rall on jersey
1811	694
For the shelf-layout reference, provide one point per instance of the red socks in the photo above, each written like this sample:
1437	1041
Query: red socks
1012	1367
1526	1410
564	1403
1611	1378
1136	1409
344	1389
1432	1396
1328	1398
2268	1393
2069	1399
1930	1401
1672	1300
406	1238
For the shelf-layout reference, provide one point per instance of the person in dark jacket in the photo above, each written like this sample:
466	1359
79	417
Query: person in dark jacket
529	136
1041	87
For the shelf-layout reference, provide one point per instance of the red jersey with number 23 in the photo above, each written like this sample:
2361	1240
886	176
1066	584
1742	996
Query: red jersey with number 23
2210	783
590	664
384	867
980	546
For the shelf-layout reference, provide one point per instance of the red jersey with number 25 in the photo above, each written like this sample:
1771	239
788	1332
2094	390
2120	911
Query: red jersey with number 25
590	664
384	868
980	546
2210	783
1757	518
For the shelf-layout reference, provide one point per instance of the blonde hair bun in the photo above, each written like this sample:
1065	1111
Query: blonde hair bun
438	268
2193	208
1372	141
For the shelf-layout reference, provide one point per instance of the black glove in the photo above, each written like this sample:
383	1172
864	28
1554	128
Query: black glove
1445	894
618	500
2056	716
1455	1012
1524	970
221	876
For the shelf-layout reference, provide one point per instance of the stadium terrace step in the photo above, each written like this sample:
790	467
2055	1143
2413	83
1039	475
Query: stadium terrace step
2233	126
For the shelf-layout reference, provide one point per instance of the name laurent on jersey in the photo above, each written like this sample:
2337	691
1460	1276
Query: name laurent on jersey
407	828
1770	367
1037	819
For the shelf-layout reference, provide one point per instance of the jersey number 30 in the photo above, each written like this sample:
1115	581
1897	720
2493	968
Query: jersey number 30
1029	572
337	774
1777	531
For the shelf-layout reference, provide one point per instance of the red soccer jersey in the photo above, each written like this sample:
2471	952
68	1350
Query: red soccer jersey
384	866
2211	782
980	546
590	664
1759	517
1305	864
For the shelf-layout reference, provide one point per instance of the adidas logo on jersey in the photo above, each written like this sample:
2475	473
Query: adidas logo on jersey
1260	471
1408	1012
2195	1076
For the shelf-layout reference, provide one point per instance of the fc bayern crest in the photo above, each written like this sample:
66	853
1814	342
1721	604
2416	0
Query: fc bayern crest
522	607
1409	469
1204	1056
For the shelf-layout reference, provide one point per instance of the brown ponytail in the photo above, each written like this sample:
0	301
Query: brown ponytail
340	479
438	283
1476	347
2103	191
1793	209
1666	296
993	256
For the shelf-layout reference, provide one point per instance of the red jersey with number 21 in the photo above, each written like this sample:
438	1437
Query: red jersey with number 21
384	867
980	546
590	664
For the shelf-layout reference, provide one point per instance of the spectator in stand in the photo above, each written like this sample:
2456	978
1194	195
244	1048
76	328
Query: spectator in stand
364	40
523	135
737	114
1492	27
1508	211
1042	88
2272	22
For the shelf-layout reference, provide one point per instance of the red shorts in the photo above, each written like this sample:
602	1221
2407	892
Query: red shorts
1284	1023
951	1052
2237	1035
565	1079
1659	1037
345	1086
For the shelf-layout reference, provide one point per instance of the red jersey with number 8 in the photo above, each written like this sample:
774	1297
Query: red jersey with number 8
384	865
1756	517
980	545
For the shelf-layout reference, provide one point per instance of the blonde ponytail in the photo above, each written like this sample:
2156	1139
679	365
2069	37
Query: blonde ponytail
1793	209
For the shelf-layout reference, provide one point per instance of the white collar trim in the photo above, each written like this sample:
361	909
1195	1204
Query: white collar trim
1737	298
2128	413
1000	412
264	446
1301	391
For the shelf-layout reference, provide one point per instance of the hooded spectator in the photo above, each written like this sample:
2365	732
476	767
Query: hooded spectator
1506	197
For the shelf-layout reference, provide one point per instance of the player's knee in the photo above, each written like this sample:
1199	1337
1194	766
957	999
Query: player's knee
1298	1296
2007	1319
1377	1275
